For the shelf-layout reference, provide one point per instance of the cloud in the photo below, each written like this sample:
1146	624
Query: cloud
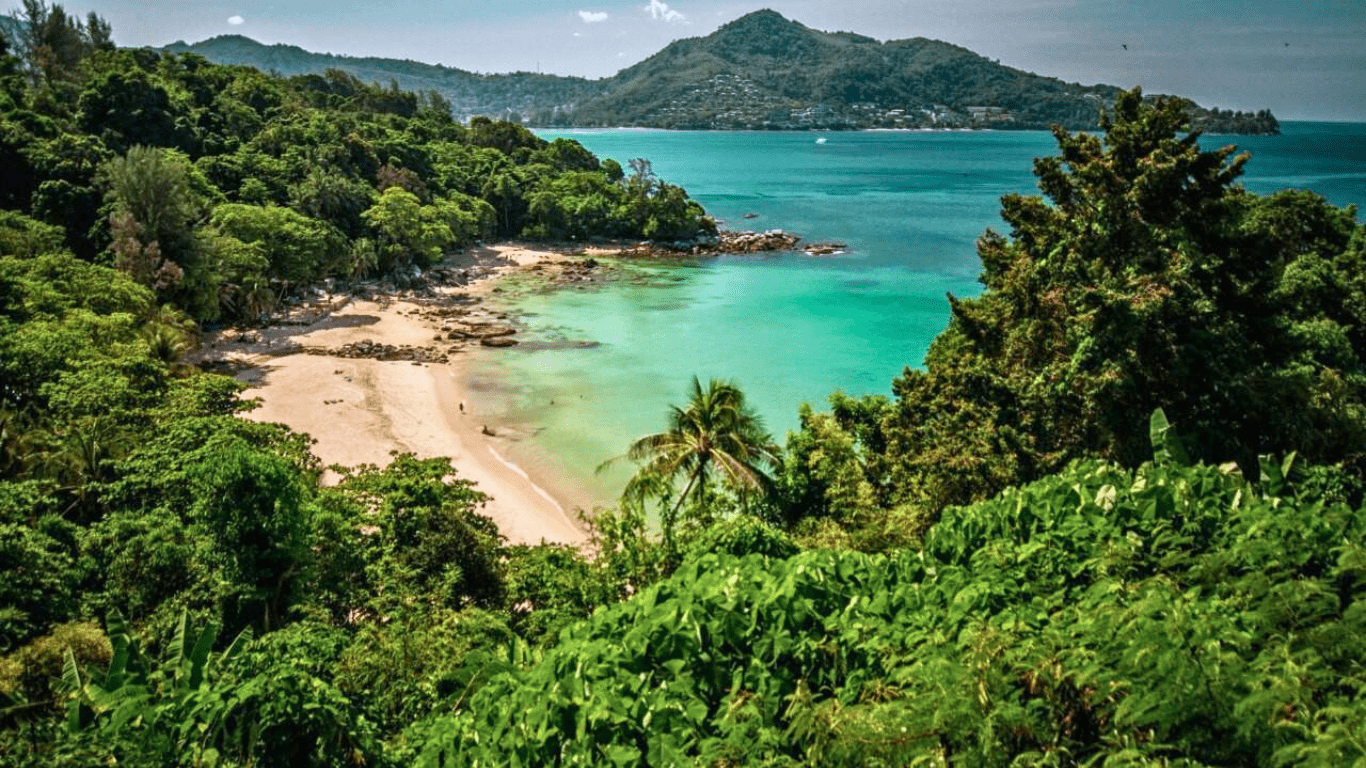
593	17
236	21
660	11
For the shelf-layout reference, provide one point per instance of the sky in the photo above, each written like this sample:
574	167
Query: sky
1303	59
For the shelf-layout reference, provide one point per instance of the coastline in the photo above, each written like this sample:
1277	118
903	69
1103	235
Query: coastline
359	409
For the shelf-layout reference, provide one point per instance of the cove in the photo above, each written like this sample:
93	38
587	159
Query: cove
600	366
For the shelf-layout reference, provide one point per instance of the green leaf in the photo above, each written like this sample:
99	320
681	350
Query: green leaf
1167	449
199	656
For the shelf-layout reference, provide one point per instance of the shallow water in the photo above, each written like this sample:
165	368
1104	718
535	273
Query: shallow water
600	365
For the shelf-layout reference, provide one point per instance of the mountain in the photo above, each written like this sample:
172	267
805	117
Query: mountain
765	71
509	95
762	71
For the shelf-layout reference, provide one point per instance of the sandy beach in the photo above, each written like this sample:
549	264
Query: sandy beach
307	375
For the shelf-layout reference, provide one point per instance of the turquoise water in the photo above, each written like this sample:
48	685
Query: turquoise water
791	329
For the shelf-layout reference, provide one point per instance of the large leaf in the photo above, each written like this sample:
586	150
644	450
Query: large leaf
1167	449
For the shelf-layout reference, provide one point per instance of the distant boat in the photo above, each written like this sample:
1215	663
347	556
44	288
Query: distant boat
820	140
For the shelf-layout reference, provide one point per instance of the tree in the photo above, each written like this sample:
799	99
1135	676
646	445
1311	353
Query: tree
156	201
576	204
330	196
1144	278
503	136
99	33
299	249
1170	615
407	235
255	508
418	529
127	107
24	237
253	703
154	186
410	233
658	210
51	43
717	436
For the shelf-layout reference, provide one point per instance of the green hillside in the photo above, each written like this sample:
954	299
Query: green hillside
761	71
510	95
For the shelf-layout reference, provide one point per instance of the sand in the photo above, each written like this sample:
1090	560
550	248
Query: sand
361	410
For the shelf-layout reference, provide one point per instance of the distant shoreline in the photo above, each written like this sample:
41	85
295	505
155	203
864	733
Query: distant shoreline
642	129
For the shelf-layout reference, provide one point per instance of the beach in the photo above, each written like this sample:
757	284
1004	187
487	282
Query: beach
319	373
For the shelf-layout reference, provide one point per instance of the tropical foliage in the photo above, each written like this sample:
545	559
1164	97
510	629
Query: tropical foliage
225	190
1147	279
179	588
1168	615
717	437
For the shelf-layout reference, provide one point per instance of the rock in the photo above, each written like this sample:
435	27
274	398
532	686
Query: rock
370	350
474	330
498	341
587	270
724	242
757	242
823	249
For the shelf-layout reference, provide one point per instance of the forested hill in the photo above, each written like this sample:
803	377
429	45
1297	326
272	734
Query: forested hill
762	71
504	95
766	71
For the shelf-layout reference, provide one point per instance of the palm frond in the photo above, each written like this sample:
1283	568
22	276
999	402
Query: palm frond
716	435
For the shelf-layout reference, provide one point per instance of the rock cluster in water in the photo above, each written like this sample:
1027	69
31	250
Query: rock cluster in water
587	270
756	242
823	249
723	242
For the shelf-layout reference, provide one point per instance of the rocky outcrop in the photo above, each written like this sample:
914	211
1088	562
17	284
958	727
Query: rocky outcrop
725	241
756	242
478	331
823	249
587	270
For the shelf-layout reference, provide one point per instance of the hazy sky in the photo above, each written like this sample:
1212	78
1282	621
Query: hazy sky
1304	59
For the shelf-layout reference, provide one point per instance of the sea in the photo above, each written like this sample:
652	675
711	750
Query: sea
600	365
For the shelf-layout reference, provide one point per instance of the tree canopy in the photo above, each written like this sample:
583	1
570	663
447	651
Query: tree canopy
1061	580
1144	277
135	154
716	437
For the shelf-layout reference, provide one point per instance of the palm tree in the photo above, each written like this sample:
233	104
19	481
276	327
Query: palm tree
167	332
716	435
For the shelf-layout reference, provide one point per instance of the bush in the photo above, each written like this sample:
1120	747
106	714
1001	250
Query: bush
1166	614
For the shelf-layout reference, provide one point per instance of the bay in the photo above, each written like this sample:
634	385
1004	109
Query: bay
790	329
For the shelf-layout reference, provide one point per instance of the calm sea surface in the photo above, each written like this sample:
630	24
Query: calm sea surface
599	367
